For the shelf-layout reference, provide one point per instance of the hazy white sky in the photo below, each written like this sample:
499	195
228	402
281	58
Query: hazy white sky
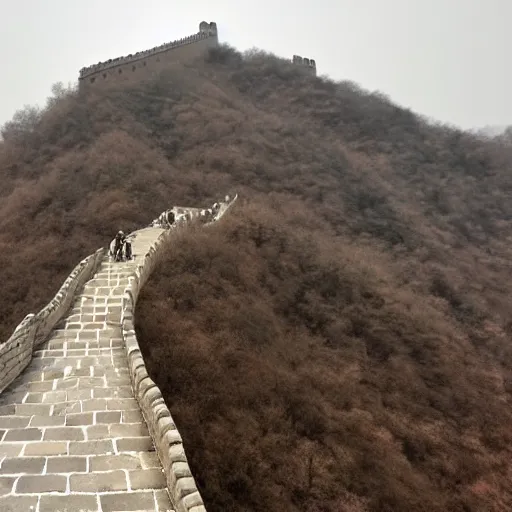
447	59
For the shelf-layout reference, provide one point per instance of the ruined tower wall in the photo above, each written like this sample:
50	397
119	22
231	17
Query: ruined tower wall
306	64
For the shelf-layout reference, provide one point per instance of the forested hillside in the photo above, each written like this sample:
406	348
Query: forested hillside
341	340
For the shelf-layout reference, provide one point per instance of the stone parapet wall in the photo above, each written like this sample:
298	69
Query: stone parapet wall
166	437
155	59
16	352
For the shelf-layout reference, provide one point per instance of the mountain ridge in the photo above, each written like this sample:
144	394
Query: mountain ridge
353	310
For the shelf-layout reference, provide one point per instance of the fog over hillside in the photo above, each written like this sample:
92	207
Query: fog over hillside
490	131
437	58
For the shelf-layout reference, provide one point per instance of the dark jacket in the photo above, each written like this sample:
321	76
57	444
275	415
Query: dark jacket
119	241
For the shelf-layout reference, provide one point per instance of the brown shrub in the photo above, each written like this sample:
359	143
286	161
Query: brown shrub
299	373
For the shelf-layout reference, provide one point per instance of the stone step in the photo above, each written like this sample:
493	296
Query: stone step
74	349
108	417
134	501
92	447
112	361
93	405
70	334
11	466
42	380
62	343
68	432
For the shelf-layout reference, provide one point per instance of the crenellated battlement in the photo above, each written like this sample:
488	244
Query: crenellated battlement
158	58
304	62
155	58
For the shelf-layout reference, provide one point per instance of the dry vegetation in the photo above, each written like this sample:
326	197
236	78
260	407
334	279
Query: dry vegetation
340	341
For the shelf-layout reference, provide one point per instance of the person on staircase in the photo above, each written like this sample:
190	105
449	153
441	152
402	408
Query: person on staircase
119	241
170	218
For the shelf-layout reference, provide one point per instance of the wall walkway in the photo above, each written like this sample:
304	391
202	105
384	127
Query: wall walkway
83	428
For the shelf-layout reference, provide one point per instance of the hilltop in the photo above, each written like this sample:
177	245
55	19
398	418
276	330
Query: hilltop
340	342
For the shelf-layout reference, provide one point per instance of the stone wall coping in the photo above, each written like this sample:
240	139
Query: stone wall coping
16	352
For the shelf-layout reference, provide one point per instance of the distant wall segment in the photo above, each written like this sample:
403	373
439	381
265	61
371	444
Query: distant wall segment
153	60
140	64
308	65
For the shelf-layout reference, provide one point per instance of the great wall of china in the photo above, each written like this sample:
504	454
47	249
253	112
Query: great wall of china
134	66
82	425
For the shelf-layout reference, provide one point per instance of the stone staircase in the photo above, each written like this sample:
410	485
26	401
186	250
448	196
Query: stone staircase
73	434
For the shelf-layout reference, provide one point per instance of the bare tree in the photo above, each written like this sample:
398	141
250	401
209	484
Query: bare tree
59	91
23	122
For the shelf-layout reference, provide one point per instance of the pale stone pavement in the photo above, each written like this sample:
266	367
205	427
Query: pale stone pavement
72	437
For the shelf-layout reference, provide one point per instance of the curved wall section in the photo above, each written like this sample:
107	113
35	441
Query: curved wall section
16	352
166	437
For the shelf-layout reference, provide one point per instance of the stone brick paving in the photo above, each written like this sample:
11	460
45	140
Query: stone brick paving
72	437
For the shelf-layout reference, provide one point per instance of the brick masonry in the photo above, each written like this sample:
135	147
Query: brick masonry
84	428
144	63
